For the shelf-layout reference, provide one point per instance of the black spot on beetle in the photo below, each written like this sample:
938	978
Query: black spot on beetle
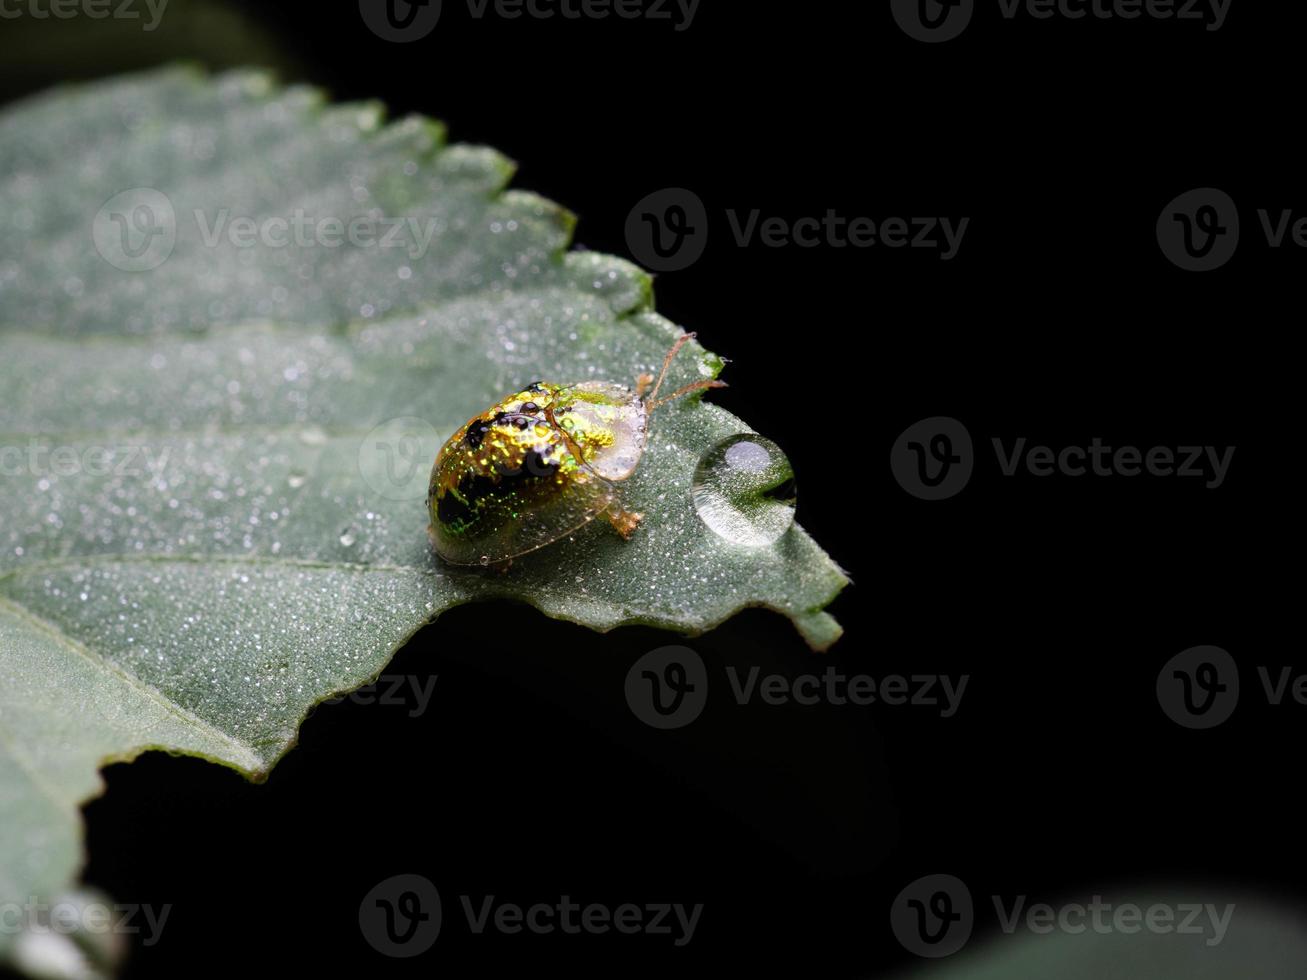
460	509
478	430
476	433
534	467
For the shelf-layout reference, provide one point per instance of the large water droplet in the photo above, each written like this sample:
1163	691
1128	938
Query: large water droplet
744	490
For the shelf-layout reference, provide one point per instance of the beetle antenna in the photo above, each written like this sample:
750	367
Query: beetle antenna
688	389
681	341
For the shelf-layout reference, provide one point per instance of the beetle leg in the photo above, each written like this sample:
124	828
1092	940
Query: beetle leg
624	521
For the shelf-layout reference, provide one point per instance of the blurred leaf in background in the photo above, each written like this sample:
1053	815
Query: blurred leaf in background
41	49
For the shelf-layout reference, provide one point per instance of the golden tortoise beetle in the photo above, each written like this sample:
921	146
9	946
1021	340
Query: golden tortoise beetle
542	463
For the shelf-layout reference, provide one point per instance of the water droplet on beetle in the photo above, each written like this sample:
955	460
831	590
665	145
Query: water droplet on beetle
744	490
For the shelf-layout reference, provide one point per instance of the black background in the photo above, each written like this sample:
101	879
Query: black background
1059	320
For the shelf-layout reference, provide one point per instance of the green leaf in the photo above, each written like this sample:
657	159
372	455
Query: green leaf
214	468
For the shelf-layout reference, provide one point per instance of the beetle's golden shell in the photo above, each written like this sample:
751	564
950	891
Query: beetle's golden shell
533	468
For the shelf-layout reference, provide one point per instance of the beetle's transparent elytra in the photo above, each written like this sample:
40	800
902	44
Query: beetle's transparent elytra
540	464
